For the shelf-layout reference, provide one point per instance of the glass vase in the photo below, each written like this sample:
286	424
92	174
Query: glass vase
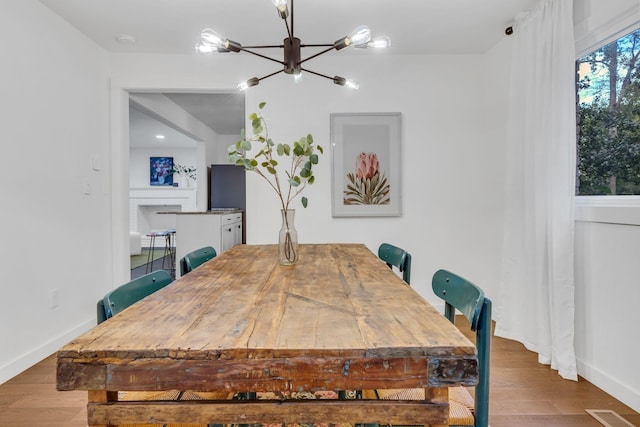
288	239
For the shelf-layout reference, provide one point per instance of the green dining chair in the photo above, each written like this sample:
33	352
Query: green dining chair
396	257
462	295
196	258
129	293
101	312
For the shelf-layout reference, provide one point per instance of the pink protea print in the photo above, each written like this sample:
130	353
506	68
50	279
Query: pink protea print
367	165
368	185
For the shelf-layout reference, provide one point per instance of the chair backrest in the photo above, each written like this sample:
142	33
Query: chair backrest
397	257
130	293
196	258
101	312
458	293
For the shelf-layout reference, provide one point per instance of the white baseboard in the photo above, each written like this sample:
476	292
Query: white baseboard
41	352
614	387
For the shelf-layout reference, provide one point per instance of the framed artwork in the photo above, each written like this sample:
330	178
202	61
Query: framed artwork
161	171
365	153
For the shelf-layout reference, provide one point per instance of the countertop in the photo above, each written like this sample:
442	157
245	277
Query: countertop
214	211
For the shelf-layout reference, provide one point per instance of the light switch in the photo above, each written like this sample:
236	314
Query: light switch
96	163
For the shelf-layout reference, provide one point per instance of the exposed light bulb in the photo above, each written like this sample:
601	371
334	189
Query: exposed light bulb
211	38
202	48
281	5
159	136
351	84
341	81
360	35
297	77
381	42
249	83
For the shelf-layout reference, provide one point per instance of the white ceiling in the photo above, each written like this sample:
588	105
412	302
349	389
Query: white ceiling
143	129
174	26
222	112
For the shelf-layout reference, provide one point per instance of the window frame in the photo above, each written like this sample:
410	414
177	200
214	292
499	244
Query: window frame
616	209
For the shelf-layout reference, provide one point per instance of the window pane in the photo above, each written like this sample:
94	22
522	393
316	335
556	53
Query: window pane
608	96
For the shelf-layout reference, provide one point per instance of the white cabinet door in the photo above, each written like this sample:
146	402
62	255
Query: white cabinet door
227	233
231	230
237	238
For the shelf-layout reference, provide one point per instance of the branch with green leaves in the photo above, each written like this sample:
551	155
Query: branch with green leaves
303	153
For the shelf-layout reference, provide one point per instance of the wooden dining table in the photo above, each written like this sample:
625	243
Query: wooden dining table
339	319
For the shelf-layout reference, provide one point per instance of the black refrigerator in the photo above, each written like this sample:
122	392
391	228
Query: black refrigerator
227	189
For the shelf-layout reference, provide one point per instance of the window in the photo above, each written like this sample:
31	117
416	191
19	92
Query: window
608	98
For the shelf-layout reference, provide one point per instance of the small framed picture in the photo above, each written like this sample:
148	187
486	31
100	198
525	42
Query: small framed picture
161	171
366	173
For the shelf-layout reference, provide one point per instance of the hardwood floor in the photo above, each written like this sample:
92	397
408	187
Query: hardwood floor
526	393
523	393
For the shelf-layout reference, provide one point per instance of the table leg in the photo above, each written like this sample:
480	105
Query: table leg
437	395
102	397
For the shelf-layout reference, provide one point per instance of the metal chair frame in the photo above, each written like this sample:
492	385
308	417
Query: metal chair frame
395	256
129	293
196	258
459	293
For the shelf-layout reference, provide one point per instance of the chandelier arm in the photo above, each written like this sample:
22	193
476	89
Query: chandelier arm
291	35
317	54
265	46
262	56
286	23
317	74
269	75
318	45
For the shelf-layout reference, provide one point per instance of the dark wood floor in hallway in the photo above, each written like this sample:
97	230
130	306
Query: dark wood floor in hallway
523	393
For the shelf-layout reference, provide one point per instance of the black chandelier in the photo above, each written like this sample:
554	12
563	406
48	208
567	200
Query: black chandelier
210	42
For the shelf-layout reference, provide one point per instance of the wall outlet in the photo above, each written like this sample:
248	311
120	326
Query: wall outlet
53	298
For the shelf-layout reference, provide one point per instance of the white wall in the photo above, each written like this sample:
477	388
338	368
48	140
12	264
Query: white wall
54	107
219	155
607	296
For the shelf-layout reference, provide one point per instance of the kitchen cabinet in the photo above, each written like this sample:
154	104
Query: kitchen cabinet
231	231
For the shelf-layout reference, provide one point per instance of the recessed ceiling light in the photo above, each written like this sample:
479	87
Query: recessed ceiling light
125	39
159	136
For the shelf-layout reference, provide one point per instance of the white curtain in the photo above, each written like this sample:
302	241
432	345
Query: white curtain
536	302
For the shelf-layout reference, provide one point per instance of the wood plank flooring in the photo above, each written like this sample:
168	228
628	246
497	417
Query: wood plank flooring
526	393
523	393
